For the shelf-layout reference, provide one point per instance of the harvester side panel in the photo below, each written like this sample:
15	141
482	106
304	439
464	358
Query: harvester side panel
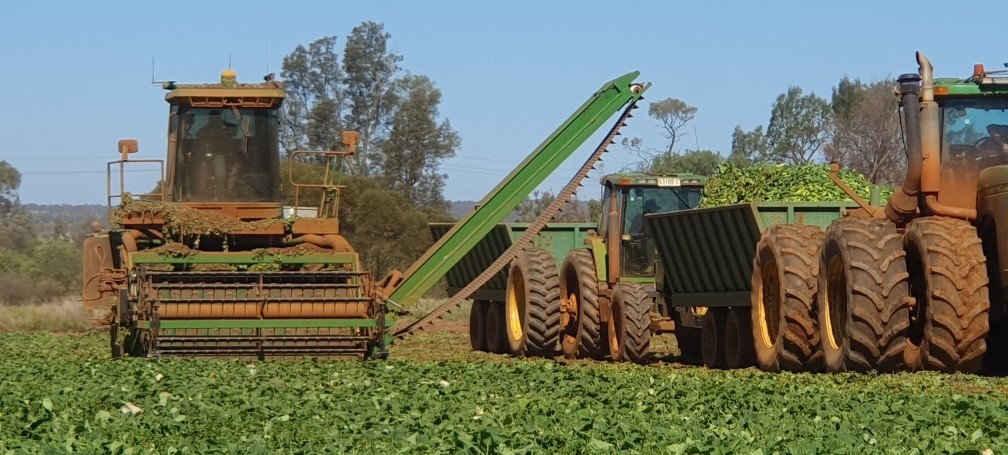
707	254
464	236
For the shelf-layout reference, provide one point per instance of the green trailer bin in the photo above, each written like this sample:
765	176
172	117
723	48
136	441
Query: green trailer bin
706	255
558	238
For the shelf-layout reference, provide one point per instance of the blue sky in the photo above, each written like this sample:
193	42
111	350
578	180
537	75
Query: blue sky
76	75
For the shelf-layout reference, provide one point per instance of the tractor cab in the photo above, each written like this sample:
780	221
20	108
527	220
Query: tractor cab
630	196
974	133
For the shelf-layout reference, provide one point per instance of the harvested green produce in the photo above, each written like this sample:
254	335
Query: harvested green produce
61	396
782	182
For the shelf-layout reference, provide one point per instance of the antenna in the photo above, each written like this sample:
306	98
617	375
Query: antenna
265	35
229	60
167	85
695	138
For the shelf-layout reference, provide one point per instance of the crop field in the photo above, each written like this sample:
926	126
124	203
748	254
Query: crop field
61	393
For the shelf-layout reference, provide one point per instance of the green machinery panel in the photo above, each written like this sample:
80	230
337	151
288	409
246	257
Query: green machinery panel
558	238
707	254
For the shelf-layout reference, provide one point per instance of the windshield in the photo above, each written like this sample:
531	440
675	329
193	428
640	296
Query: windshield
974	137
640	201
227	154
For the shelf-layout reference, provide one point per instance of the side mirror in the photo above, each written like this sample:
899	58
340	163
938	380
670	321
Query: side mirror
127	146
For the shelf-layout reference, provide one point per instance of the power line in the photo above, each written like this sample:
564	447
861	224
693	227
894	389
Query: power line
61	158
84	172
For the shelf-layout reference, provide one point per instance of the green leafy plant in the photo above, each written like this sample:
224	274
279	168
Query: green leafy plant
783	182
62	394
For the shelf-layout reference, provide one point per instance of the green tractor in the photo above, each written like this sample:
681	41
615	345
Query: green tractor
599	302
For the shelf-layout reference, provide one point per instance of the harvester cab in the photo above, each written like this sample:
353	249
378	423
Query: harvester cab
208	264
223	147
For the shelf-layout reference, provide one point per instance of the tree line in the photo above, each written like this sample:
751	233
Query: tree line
35	266
393	185
858	127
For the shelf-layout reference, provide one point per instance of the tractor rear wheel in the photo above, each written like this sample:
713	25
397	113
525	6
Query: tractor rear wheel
785	270
712	337
495	339
630	326
862	297
579	290
532	304
738	340
949	325
477	325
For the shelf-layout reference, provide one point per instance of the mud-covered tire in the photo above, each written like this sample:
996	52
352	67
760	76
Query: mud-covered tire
738	339
582	325
532	305
495	338
864	314
712	337
949	282
630	328
477	325
785	270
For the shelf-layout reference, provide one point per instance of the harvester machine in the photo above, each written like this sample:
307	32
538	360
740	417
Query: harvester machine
211	263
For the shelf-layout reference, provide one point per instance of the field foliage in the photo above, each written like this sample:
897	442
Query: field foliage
62	394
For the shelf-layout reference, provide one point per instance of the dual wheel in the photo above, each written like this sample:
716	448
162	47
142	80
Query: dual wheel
726	338
626	337
862	297
546	312
527	323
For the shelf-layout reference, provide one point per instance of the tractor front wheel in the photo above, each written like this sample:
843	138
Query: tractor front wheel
583	317
630	326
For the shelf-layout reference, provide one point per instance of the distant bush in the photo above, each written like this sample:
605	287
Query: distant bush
49	269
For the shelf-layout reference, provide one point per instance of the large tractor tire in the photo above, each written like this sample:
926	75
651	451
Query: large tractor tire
738	342
477	325
785	271
496	340
949	324
630	327
712	337
532	305
864	316
581	325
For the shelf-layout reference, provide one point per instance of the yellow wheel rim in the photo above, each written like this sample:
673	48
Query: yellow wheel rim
768	276
834	310
515	306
